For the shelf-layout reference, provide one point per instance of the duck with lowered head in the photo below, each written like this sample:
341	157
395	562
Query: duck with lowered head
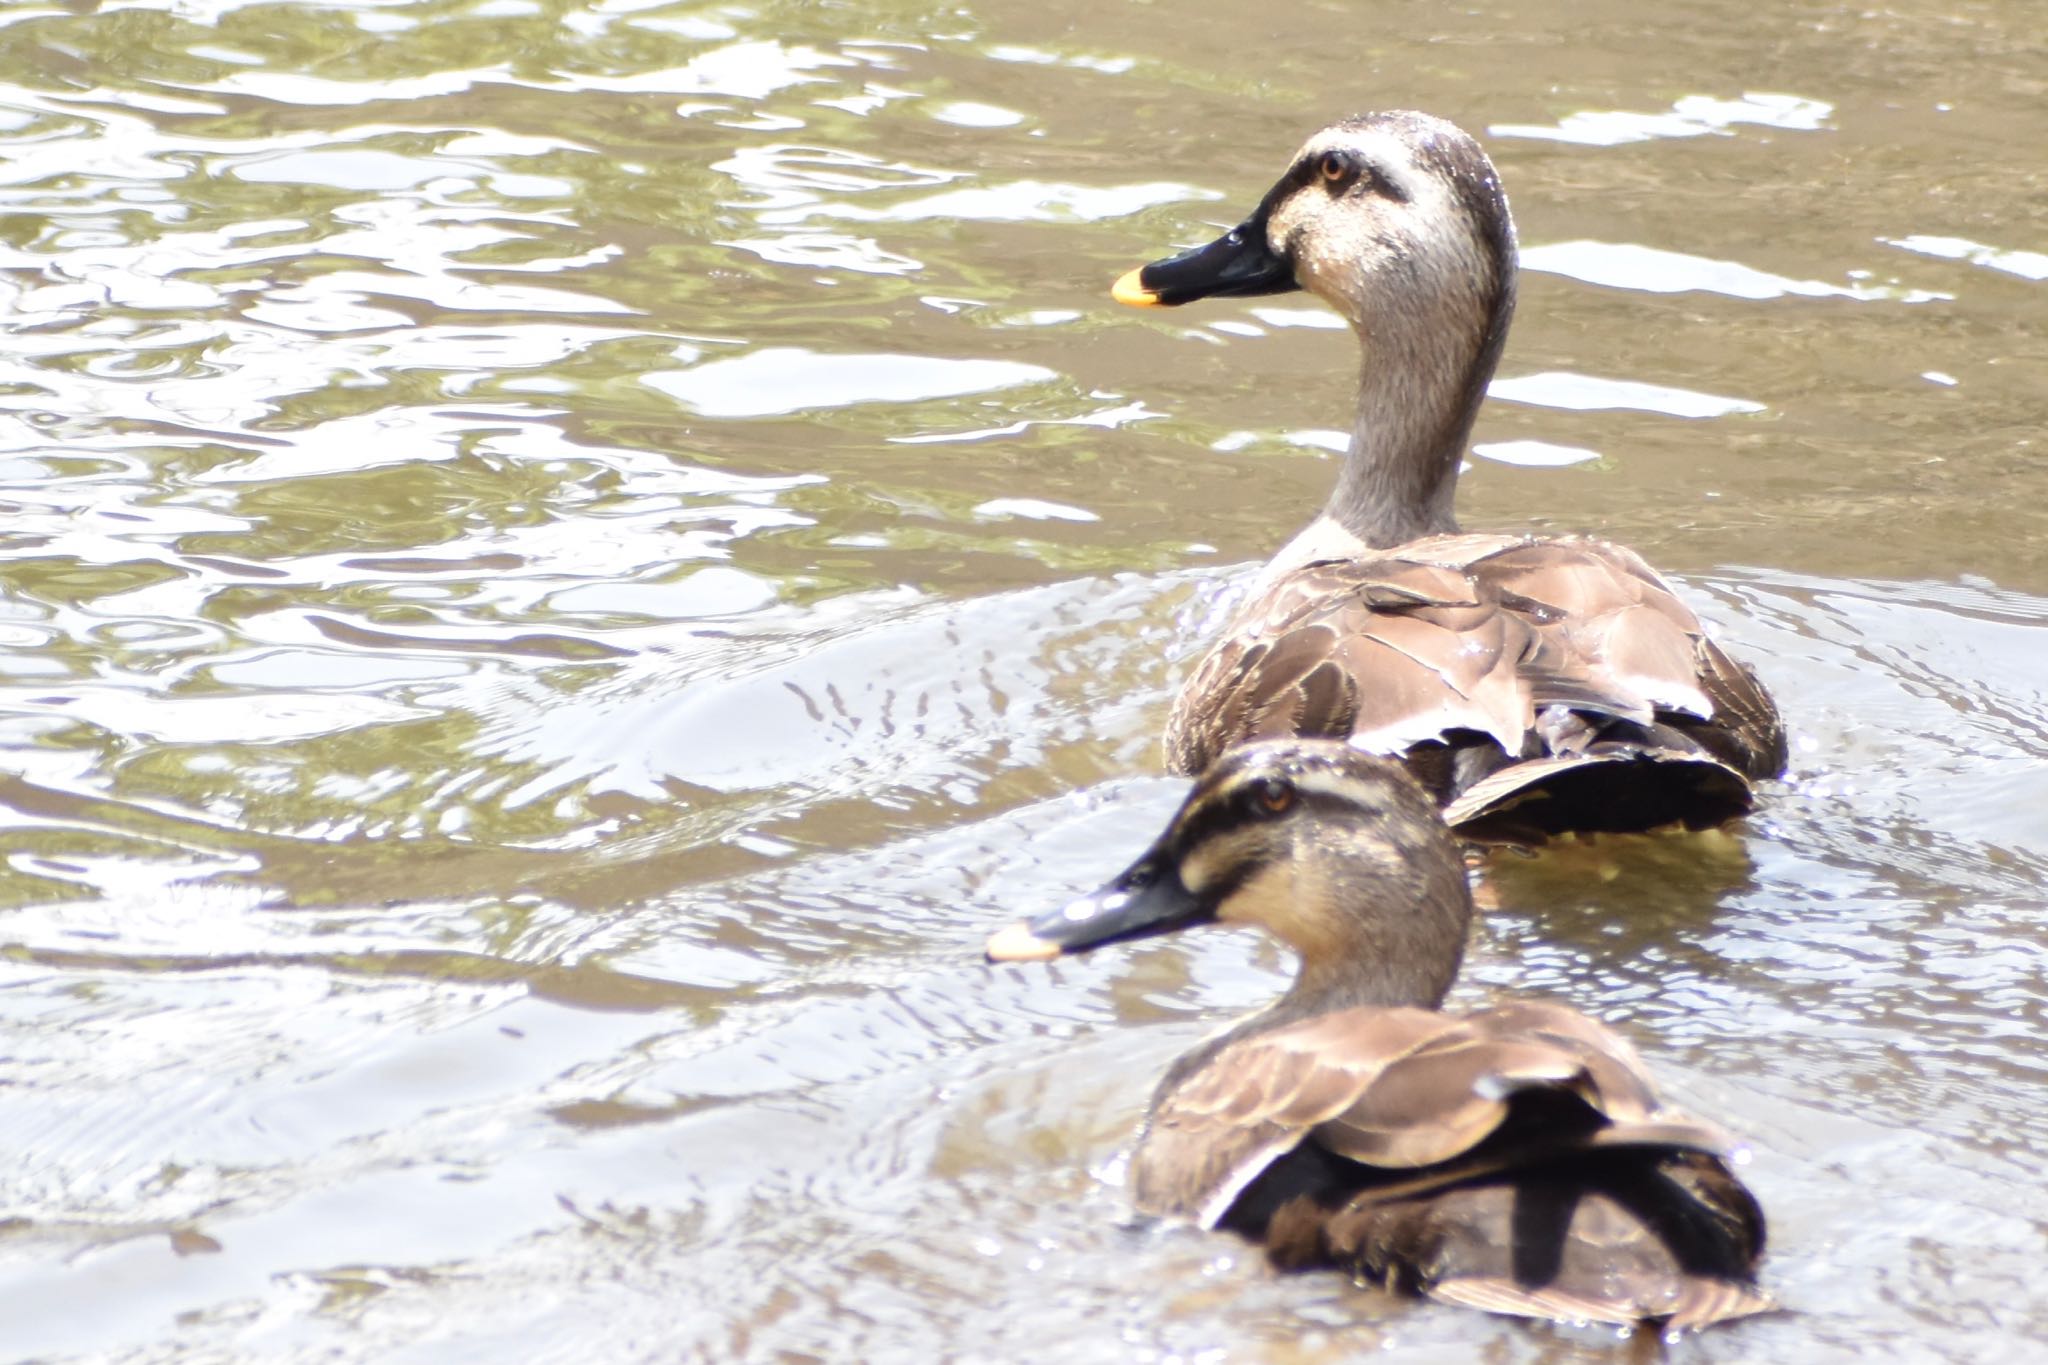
1515	1159
1534	685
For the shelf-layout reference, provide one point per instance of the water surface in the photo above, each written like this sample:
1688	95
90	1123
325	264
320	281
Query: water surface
565	562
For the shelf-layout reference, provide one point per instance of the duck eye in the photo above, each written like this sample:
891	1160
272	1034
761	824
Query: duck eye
1272	796
1334	167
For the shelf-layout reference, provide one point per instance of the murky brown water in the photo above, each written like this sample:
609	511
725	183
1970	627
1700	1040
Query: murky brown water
564	562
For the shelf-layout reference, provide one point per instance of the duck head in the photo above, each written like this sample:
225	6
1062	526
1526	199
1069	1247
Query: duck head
1375	215
1336	853
1398	222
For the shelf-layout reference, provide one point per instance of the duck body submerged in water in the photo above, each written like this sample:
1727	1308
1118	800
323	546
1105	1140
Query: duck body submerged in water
1533	685
1516	1159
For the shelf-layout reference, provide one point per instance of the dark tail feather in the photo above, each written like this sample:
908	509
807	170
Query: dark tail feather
1621	793
1614	1237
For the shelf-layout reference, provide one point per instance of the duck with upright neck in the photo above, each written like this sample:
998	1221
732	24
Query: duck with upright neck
1534	685
1516	1159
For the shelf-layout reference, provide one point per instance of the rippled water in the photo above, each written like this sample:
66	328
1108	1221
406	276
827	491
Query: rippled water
565	562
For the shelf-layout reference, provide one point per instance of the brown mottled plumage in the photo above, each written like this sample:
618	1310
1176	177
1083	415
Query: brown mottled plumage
1516	1159
1533	685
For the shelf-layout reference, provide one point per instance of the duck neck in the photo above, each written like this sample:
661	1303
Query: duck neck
1320	988
1374	974
1423	376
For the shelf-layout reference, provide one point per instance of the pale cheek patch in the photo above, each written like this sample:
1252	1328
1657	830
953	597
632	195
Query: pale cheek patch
1199	868
1266	899
1216	858
1292	904
1339	245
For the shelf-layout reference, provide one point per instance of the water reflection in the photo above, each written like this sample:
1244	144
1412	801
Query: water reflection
564	562
1692	116
1625	265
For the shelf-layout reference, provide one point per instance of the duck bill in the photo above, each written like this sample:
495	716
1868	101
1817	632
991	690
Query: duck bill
1237	264
1147	898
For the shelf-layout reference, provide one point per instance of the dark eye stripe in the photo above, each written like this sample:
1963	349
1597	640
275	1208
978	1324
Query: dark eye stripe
1352	170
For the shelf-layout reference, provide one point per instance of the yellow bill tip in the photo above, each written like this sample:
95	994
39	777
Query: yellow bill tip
1018	944
1131	290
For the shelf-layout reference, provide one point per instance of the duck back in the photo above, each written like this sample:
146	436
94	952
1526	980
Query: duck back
1531	685
1515	1160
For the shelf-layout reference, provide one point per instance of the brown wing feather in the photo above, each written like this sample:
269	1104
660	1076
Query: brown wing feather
1516	1159
1751	738
1509	649
1397	1088
1218	1125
